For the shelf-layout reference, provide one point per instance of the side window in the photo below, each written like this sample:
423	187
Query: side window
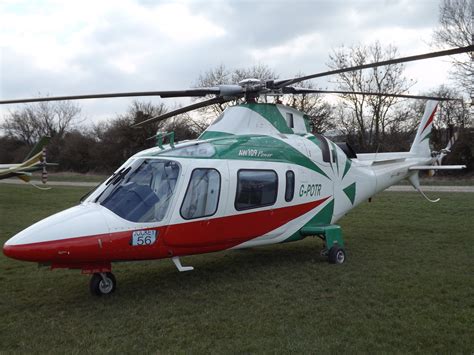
256	188
289	120
324	148
290	186
202	195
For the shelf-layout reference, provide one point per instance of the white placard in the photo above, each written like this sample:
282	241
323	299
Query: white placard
144	238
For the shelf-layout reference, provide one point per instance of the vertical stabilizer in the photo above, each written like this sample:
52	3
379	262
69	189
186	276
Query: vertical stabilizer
421	145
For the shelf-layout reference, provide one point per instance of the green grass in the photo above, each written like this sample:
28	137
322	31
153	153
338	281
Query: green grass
72	177
407	286
443	181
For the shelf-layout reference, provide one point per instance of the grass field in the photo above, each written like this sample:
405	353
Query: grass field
407	286
73	177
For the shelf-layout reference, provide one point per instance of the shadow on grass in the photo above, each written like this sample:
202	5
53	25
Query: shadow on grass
231	270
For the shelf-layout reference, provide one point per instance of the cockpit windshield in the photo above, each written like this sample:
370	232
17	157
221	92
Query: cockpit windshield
143	191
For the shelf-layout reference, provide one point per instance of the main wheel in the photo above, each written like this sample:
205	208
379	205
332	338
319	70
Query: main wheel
102	284
337	255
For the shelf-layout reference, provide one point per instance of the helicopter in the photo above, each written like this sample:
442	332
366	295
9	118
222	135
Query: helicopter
35	160
256	176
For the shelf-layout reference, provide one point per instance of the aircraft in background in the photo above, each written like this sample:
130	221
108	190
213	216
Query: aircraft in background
34	161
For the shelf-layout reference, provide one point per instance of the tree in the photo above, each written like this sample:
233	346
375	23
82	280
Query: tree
12	150
79	152
222	75
320	112
371	115
452	118
456	30
33	121
118	140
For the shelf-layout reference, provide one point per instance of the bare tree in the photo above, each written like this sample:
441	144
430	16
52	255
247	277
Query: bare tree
118	140
455	112
371	114
319	111
456	30
222	75
33	121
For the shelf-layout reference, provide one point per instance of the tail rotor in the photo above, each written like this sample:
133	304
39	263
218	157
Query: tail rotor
439	156
44	172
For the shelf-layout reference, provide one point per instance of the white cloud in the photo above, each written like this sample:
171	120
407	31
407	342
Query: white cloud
85	46
291	49
180	25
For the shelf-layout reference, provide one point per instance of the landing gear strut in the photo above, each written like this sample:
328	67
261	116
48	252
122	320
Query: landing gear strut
103	283
331	235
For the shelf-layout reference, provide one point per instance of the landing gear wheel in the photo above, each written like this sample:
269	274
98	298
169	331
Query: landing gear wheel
102	283
337	255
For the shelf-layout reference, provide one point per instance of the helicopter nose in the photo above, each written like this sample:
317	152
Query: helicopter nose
9	251
19	252
58	236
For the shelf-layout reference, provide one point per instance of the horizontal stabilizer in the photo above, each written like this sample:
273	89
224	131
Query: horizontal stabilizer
437	167
388	161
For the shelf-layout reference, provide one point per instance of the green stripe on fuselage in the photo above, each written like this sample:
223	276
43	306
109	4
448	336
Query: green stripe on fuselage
245	147
350	192
315	140
323	217
264	148
347	167
213	134
271	113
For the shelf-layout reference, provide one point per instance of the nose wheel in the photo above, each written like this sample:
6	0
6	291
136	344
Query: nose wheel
103	283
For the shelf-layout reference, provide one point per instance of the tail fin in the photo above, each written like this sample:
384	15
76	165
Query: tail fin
421	145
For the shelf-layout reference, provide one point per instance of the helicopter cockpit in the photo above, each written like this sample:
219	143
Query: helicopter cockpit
142	191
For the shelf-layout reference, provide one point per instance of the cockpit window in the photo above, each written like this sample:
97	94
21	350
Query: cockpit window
143	193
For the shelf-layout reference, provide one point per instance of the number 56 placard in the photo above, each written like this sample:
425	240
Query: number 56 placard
147	237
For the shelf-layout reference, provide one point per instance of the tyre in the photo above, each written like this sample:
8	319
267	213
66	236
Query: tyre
102	284
337	255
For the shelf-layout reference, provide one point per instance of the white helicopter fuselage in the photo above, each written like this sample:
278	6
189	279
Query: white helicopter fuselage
256	176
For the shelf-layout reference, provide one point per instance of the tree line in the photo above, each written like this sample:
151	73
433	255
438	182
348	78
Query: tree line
368	123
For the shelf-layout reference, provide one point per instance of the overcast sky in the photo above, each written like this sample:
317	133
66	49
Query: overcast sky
60	47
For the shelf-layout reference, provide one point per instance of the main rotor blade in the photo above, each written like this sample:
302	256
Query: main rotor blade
282	83
163	94
215	100
293	90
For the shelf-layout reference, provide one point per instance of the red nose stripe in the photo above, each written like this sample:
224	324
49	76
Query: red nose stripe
84	248
179	239
185	238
